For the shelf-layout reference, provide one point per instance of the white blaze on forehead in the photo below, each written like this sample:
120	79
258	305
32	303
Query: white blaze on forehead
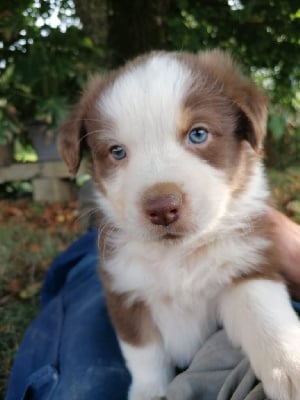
147	97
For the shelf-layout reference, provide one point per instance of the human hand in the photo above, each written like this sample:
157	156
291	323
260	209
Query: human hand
286	235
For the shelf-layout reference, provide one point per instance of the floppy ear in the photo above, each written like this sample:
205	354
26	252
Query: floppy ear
250	101
72	133
70	139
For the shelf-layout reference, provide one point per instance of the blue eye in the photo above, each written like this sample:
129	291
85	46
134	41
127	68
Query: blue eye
198	135
118	152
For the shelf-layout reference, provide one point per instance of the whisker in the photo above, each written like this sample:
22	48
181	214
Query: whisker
70	121
100	231
89	212
89	133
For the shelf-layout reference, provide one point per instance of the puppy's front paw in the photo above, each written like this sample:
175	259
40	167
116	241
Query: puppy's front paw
281	384
281	378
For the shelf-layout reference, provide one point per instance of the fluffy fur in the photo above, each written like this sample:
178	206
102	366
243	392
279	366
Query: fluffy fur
169	285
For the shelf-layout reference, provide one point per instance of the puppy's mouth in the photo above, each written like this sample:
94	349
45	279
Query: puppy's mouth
163	235
171	236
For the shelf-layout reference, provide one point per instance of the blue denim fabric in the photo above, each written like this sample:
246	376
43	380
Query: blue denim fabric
70	350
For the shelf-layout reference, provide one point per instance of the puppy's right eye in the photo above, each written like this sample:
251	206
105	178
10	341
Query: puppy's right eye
118	152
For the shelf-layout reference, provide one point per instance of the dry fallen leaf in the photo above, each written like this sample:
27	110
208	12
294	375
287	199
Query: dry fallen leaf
35	247
60	218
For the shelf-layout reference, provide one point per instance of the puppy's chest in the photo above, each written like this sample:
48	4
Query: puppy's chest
171	275
167	276
181	293
184	322
181	289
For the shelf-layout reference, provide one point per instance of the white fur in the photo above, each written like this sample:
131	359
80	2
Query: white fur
147	99
150	368
183	284
258	317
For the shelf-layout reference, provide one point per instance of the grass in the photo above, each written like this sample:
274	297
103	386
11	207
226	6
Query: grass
31	235
14	320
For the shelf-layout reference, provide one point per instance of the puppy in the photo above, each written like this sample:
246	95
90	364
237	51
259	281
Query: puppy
175	141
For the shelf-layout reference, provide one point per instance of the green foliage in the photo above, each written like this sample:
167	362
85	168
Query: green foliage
285	185
51	111
263	35
277	125
42	68
283	137
15	190
43	63
9	124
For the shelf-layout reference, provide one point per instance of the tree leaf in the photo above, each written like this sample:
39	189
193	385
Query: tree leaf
277	125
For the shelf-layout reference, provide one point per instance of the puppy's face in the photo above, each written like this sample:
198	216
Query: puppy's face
172	138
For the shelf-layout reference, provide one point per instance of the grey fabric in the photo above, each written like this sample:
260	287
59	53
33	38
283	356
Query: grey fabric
218	372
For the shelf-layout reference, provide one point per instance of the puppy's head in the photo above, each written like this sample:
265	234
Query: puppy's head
173	139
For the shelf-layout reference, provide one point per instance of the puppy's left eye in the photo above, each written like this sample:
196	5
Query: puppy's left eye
198	135
118	152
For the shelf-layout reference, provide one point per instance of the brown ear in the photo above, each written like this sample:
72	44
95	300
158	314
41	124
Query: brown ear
251	102
70	139
73	132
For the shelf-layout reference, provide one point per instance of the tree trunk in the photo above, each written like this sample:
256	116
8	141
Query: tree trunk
125	28
135	27
93	16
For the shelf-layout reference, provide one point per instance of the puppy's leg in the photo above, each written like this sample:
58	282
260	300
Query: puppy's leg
258	316
141	346
150	370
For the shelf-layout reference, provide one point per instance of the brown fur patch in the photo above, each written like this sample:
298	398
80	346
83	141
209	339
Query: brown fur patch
283	257
220	99
73	132
215	72
161	189
272	268
133	321
246	160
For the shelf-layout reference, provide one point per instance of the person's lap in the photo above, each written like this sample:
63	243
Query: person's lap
70	351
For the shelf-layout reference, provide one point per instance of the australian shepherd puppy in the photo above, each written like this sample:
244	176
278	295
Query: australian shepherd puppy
175	141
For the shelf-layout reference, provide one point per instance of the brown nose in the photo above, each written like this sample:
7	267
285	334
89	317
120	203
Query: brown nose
164	209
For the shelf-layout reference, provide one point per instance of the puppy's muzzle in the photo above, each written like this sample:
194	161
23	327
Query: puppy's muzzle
162	204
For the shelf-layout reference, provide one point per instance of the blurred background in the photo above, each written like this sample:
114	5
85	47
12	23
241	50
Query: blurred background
49	48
